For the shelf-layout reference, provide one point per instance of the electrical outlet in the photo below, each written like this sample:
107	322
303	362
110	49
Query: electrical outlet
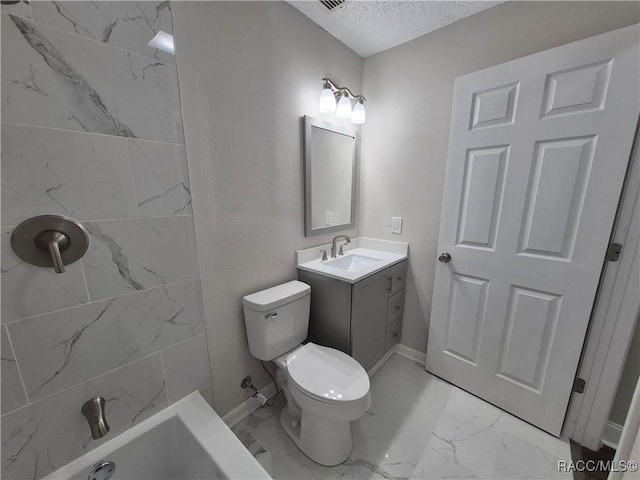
328	218
396	224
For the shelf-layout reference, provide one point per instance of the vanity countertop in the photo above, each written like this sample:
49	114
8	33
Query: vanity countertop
362	257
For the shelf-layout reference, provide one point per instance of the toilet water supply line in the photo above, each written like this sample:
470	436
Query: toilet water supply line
257	394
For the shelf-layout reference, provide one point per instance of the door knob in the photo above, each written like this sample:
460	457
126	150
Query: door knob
444	257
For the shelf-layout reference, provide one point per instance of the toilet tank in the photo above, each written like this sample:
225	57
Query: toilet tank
277	319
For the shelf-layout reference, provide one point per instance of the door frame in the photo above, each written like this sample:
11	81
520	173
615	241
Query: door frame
613	319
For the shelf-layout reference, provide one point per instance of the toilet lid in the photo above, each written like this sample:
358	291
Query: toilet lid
327	373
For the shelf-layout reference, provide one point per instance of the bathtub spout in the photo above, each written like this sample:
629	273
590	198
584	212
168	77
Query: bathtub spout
93	411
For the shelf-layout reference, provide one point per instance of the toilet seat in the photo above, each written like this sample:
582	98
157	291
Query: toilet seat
327	375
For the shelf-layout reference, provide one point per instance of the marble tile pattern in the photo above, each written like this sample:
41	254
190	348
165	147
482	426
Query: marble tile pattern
186	367
129	255
13	395
92	129
28	290
161	178
60	80
127	25
67	173
19	9
45	435
418	427
61	349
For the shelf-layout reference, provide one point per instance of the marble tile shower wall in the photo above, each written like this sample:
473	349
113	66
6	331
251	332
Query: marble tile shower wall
92	129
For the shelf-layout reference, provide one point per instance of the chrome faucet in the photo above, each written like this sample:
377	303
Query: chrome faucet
93	411
333	244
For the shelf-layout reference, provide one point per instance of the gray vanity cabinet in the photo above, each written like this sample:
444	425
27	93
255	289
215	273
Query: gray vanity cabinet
363	319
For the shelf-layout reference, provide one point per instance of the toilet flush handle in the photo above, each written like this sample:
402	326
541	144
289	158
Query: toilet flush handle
271	316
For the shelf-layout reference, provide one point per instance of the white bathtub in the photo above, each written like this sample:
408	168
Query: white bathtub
186	441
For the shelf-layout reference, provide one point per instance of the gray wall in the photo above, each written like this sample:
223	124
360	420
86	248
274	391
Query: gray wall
409	90
248	72
92	128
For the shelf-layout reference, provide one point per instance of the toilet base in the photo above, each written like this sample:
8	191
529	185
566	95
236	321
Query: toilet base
323	441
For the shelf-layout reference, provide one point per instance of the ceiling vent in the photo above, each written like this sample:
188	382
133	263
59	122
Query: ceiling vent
331	4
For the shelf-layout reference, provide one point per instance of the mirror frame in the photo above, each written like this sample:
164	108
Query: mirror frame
310	122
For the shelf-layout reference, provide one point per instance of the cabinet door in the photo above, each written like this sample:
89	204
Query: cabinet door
330	315
369	319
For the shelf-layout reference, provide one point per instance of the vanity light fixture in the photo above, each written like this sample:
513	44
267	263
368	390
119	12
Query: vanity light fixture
332	93
163	41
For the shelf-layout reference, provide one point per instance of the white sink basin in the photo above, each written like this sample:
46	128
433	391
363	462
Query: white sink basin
353	262
354	265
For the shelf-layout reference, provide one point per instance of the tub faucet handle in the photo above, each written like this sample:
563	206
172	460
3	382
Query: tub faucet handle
93	411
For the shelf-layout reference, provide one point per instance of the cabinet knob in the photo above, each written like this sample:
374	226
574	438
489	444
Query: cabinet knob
444	257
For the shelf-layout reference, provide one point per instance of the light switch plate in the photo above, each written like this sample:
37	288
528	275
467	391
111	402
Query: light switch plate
328	218
396	224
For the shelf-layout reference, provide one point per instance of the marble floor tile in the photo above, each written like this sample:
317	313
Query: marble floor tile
418	427
468	433
264	425
519	459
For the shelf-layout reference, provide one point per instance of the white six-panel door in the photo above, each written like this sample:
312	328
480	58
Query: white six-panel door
537	155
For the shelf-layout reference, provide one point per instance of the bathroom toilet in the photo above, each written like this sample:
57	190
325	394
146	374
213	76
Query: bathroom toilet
325	388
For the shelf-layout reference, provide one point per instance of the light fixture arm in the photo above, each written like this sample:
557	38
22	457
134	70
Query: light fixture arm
339	90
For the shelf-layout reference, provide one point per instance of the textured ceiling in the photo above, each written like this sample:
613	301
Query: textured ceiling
371	26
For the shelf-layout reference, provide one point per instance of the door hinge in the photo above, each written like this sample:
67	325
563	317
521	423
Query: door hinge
578	385
613	252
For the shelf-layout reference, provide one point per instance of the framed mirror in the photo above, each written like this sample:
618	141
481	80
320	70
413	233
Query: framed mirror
330	176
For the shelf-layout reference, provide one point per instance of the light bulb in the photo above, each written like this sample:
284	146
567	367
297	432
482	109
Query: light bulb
344	107
358	115
327	100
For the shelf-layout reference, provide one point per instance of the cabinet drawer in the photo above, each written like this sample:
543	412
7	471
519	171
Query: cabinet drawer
395	307
394	330
398	274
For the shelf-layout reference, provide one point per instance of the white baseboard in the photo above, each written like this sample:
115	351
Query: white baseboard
410	353
243	410
611	435
380	362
